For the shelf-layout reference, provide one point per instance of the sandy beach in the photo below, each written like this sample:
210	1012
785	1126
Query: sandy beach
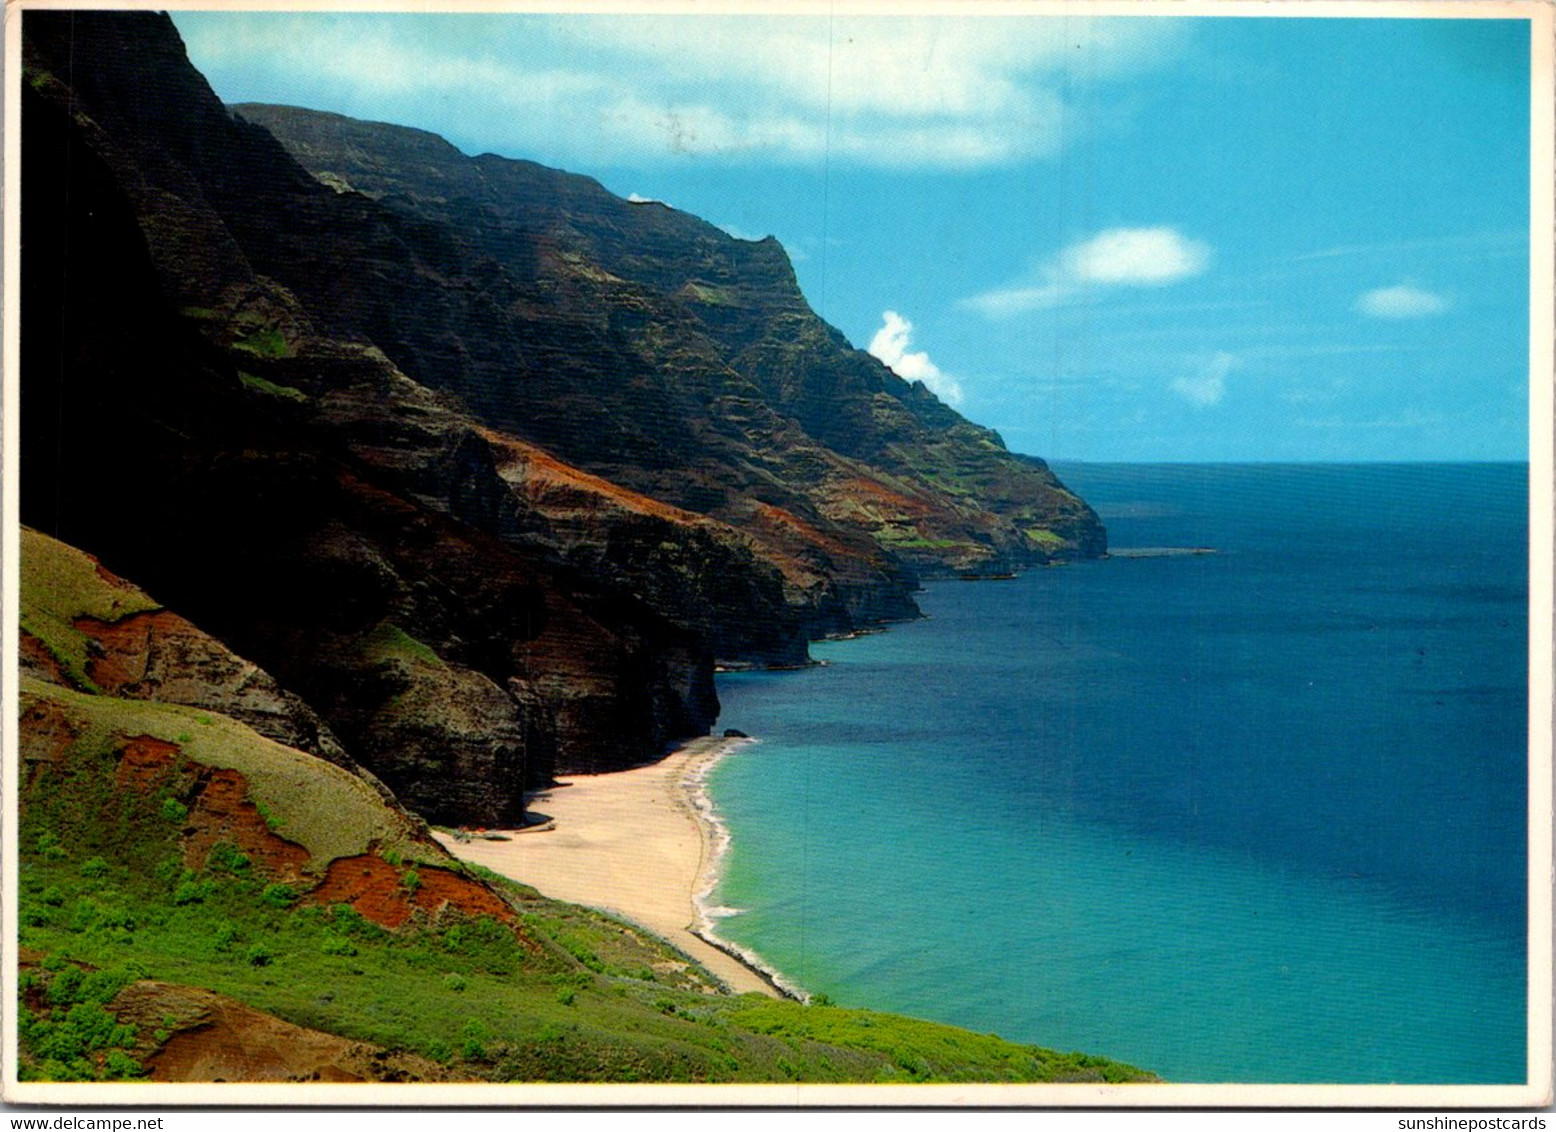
632	843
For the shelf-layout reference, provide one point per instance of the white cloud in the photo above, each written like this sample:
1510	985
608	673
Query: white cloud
890	345
1207	385
912	92
1116	257
1402	301
1003	302
638	198
1137	256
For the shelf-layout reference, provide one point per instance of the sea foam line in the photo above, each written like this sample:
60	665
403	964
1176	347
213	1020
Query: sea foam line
716	840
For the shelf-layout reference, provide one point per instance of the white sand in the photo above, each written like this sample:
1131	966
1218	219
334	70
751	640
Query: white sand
631	842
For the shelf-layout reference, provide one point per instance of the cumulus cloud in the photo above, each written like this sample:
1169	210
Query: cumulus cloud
891	345
1207	385
1402	301
1116	257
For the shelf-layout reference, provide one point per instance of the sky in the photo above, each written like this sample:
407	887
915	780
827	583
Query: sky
1111	239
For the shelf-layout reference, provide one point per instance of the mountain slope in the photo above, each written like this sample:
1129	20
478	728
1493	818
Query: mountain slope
490	470
719	340
309	504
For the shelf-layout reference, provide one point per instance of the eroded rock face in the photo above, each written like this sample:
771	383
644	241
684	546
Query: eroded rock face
389	869
769	403
293	522
378	892
217	1038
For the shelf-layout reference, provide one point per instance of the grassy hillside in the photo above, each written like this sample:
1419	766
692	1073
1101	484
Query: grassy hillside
111	897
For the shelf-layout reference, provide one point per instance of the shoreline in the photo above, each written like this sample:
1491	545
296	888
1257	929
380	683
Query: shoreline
714	836
644	844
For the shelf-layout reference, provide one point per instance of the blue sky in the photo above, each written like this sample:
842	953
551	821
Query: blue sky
1110	239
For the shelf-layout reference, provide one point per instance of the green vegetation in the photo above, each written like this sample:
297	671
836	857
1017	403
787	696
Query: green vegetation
709	295
566	994
66	1031
926	1051
389	642
60	584
1046	539
585	269
270	388
339	815
899	538
265	342
108	896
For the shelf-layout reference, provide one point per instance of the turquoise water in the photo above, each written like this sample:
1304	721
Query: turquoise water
1254	816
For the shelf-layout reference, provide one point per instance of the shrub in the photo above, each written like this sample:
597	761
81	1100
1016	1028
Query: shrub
258	955
94	867
192	892
225	858
279	895
120	1066
174	810
472	1038
65	985
333	943
454	981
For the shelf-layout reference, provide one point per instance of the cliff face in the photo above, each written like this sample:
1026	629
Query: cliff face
486	465
637	315
190	424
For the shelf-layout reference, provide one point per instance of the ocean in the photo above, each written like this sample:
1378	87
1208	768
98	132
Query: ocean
1250	816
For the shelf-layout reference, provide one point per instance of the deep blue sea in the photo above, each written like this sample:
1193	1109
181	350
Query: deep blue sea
1254	816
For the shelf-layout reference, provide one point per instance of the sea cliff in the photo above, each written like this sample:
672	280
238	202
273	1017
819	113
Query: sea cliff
444	477
412	428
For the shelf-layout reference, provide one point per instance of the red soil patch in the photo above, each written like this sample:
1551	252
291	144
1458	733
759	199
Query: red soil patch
223	812
377	891
861	488
144	764
783	522
218	1038
45	732
542	469
126	646
37	660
